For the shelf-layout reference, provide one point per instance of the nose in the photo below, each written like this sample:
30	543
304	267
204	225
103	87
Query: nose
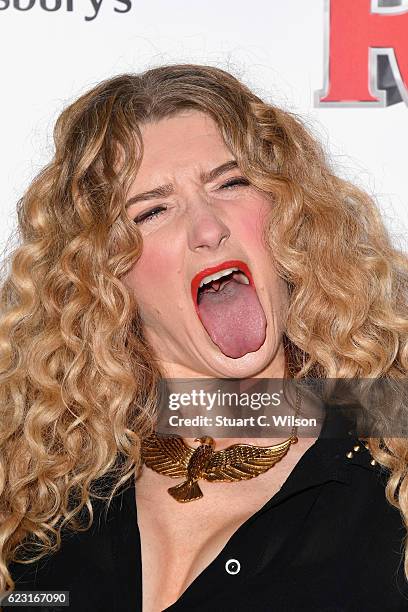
206	229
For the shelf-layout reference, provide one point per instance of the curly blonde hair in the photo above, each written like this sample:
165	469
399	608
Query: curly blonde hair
79	382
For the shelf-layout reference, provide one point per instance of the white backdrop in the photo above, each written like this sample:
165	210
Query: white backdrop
275	46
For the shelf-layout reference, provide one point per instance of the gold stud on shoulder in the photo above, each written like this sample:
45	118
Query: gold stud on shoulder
363	442
357	447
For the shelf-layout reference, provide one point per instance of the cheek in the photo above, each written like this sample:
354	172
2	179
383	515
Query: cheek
251	224
150	276
250	228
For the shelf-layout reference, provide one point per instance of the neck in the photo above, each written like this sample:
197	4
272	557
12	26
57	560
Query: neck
222	435
300	416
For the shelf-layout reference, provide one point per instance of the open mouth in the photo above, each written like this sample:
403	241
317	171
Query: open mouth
228	307
215	278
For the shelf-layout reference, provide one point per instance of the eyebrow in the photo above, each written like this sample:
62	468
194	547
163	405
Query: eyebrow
162	191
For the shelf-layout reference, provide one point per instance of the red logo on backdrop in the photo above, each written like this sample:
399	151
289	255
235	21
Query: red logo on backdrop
366	53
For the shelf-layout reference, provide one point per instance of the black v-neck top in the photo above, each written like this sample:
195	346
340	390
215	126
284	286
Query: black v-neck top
327	541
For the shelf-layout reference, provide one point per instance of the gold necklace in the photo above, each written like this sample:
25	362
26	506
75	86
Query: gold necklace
173	457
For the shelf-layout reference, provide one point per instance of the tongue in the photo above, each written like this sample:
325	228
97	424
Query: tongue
233	318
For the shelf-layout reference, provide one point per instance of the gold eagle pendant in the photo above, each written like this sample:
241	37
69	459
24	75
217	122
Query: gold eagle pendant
171	456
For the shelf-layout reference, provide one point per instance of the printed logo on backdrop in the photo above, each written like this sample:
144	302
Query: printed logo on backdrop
90	8
366	53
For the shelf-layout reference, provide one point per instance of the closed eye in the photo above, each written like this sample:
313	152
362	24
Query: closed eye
235	182
149	215
155	212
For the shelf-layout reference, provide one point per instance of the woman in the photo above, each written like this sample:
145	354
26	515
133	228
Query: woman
160	181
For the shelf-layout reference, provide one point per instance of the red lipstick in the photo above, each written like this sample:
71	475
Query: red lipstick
233	263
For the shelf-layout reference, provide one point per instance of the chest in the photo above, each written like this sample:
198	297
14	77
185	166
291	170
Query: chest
178	541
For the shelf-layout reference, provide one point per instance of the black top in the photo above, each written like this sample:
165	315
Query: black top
327	541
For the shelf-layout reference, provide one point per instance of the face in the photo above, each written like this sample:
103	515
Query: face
198	216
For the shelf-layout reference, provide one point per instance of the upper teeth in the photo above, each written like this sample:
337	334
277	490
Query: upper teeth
220	274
